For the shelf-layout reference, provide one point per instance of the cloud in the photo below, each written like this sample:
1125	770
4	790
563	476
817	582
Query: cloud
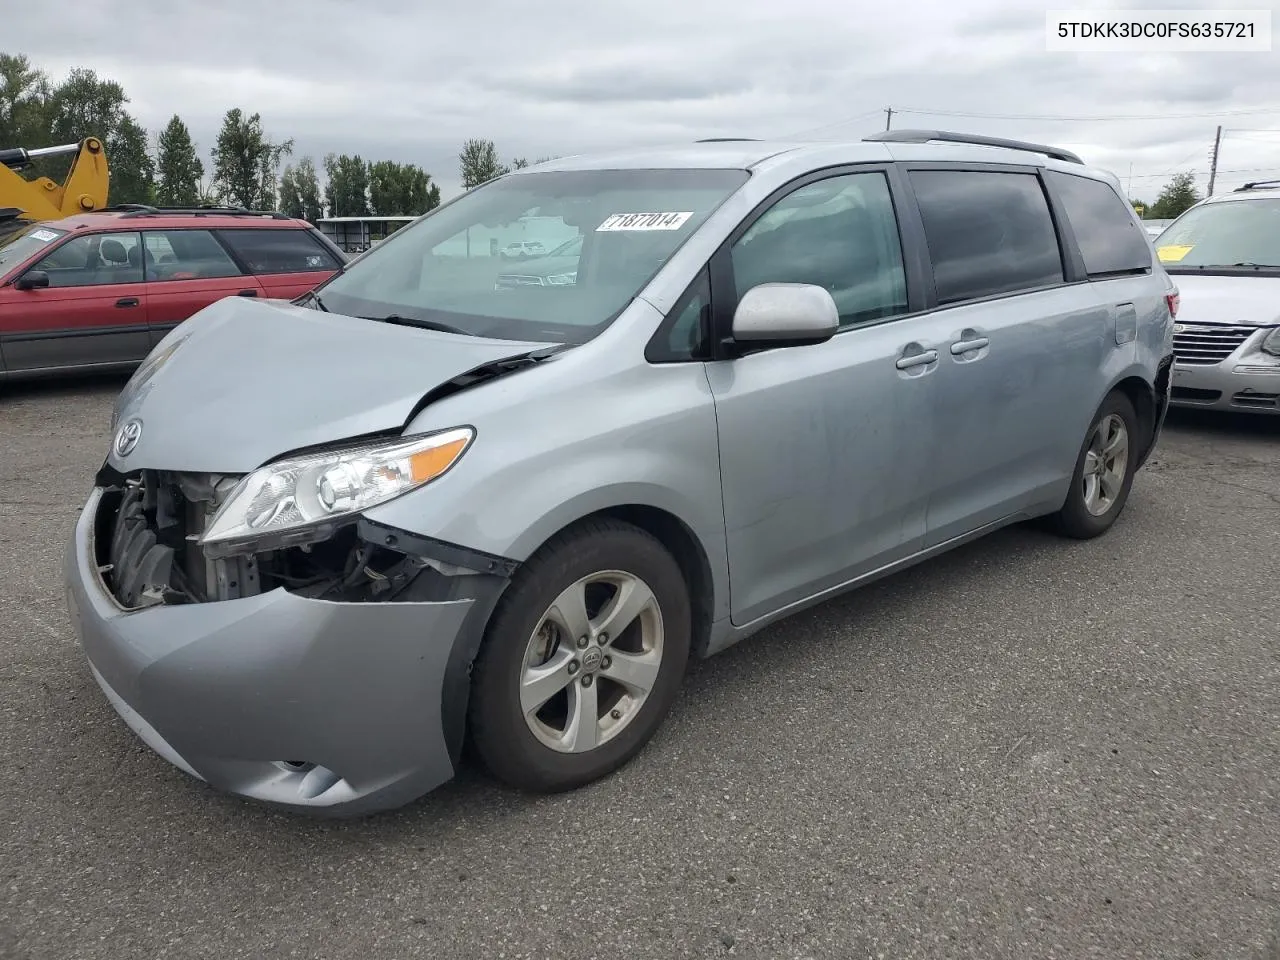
409	81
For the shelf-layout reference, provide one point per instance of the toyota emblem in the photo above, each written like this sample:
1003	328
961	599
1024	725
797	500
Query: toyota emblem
127	437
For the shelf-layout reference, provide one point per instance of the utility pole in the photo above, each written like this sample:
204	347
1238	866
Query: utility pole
1213	160
888	117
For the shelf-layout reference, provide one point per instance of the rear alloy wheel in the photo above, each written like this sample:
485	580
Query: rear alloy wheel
1104	472
582	659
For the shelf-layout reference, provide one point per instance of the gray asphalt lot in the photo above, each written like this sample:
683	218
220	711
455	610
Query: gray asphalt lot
1028	748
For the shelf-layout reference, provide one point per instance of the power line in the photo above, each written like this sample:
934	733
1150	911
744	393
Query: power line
1205	172
1063	118
828	126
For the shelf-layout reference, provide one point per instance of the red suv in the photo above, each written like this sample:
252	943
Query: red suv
99	290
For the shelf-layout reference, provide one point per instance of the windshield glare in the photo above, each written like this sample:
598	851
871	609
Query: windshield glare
474	263
17	247
1224	234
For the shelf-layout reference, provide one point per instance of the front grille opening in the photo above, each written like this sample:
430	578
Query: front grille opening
1195	395
1256	400
1210	345
147	553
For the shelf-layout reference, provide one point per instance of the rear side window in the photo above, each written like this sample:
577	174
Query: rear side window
1110	240
988	233
279	251
186	255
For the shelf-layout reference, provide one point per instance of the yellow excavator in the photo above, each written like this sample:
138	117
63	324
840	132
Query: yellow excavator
84	188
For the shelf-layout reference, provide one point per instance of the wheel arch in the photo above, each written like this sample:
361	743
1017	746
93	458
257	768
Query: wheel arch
678	536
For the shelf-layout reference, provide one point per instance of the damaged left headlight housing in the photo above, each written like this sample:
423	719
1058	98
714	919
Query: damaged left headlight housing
291	500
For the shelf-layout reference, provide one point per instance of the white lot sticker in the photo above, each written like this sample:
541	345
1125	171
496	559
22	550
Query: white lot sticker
644	221
44	236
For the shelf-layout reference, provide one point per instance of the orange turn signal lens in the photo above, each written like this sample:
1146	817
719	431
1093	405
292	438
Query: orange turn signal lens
429	464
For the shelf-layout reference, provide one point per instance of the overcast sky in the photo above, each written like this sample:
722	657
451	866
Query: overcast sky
412	81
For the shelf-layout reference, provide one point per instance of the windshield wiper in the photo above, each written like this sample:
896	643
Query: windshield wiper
403	321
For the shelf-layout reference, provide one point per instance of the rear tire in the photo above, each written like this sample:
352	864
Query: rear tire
582	659
1104	472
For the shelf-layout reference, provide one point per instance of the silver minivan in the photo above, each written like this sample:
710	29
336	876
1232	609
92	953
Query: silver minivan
1225	255
335	540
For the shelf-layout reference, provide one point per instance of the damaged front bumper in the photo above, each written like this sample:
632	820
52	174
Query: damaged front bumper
336	706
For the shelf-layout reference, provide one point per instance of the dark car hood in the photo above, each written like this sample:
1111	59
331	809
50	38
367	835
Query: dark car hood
241	383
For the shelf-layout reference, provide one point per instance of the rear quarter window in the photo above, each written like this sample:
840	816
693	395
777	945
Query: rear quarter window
266	250
1110	240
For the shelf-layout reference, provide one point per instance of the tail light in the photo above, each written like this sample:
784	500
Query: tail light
1173	299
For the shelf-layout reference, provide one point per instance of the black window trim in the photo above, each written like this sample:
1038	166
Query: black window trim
73	236
212	231
1072	262
218	232
724	294
1067	231
656	351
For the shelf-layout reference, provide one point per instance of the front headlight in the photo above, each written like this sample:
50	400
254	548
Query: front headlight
561	279
1271	345
312	490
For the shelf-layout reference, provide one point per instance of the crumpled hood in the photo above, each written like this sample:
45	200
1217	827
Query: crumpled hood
1239	299
243	382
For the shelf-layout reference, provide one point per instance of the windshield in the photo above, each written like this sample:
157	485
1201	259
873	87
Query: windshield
445	268
17	247
1229	233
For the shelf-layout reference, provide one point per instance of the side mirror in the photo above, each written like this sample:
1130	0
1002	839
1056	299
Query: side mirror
785	314
31	280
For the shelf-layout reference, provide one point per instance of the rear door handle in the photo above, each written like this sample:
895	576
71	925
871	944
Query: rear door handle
964	346
917	360
247	293
127	302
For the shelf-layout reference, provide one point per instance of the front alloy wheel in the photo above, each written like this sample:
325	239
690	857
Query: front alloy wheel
592	661
582	657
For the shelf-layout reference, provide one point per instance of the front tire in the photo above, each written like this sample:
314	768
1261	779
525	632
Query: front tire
1104	472
582	659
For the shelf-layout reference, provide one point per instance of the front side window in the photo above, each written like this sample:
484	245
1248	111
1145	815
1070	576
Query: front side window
987	233
186	255
17	246
1110	240
1229	233
95	259
840	234
454	266
268	250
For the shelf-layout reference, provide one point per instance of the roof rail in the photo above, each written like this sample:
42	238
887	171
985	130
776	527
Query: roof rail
946	136
146	210
1257	185
728	140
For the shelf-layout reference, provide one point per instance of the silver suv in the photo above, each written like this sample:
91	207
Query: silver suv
1225	253
334	539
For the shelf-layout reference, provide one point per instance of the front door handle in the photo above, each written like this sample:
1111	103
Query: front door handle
964	346
247	293
917	360
127	302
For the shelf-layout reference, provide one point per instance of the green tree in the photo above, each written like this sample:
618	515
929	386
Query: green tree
401	189
290	200
1178	195
478	163
308	186
346	193
178	166
246	161
133	170
24	103
84	105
